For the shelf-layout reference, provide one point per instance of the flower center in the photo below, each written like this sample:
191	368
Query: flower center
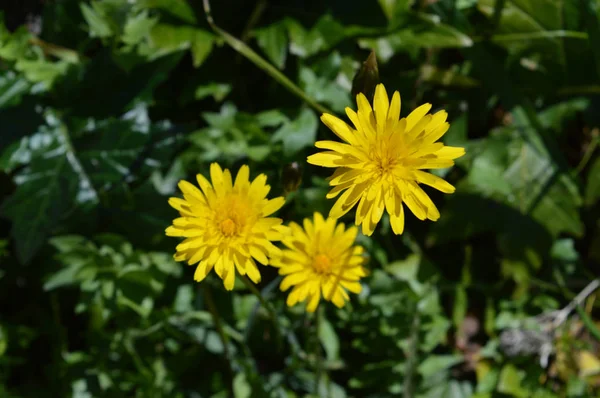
228	227
322	264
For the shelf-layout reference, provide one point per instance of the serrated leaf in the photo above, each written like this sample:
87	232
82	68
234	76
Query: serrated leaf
46	190
99	26
137	28
299	133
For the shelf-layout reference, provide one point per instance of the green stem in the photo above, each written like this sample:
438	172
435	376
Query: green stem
267	306
317	353
411	360
263	64
212	308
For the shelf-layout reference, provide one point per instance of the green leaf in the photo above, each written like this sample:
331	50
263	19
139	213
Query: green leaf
46	191
421	31
3	341
326	33
323	89
329	339
273	41
12	88
510	381
178	8
592	189
405	270
564	250
202	44
394	8
217	90
549	35
165	39
68	243
438	363
297	134
446	77
65	277
98	23
590	10
138	27
241	387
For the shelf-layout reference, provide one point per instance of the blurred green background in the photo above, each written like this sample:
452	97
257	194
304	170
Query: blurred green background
106	104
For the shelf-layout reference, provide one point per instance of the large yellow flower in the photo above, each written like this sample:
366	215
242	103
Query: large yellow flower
226	225
380	163
320	260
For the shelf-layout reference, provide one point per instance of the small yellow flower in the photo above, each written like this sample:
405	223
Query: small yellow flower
320	260
380	164
226	225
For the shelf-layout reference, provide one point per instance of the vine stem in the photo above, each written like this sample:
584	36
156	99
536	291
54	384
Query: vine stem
259	61
267	306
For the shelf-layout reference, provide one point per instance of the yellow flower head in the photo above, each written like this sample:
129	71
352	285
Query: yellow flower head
320	260
226	224
379	165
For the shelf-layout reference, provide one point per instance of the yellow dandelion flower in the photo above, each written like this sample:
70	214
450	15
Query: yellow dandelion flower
226	224
379	165
320	261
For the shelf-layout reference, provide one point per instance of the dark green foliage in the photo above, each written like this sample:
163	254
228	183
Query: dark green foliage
106	104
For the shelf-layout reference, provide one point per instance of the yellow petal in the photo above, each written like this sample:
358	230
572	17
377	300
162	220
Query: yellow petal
450	152
393	112
432	212
416	115
325	159
397	221
272	206
344	149
433	181
191	192
314	301
339	128
258	255
252	271
206	187
216	176
229	277
381	104
259	188
202	270
436	134
292	280
242	179
353	116
415	206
